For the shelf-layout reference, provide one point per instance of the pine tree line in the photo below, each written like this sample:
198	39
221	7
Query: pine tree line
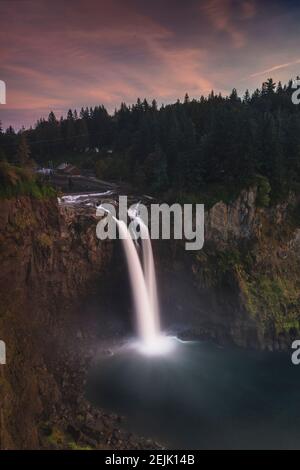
181	147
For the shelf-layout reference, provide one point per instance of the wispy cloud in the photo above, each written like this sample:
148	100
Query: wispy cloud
226	15
275	67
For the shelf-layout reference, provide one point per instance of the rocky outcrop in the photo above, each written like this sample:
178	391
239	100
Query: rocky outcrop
255	254
243	286
49	258
227	222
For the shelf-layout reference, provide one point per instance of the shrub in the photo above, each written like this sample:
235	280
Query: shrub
16	181
263	191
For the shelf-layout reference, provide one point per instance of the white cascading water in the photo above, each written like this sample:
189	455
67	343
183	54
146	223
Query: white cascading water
144	289
146	318
149	270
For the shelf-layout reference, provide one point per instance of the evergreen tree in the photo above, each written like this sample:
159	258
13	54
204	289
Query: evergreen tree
186	99
23	151
246	97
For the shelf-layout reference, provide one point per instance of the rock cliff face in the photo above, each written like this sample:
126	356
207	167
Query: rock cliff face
238	220
247	276
49	258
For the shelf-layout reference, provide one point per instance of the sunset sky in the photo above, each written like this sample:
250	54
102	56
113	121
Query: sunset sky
56	55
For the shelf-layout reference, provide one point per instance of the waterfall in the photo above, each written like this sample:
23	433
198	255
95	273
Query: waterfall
149	270
144	289
143	286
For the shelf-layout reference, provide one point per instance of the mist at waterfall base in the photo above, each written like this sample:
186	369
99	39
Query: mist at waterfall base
188	395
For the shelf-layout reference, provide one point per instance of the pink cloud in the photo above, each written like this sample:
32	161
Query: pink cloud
225	17
86	70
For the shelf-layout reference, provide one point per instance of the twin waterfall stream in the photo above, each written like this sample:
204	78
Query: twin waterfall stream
144	289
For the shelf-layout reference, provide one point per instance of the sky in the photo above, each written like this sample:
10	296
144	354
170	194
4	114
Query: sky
61	54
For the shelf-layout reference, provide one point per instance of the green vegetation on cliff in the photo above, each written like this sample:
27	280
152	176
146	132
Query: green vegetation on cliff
16	181
273	300
267	286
